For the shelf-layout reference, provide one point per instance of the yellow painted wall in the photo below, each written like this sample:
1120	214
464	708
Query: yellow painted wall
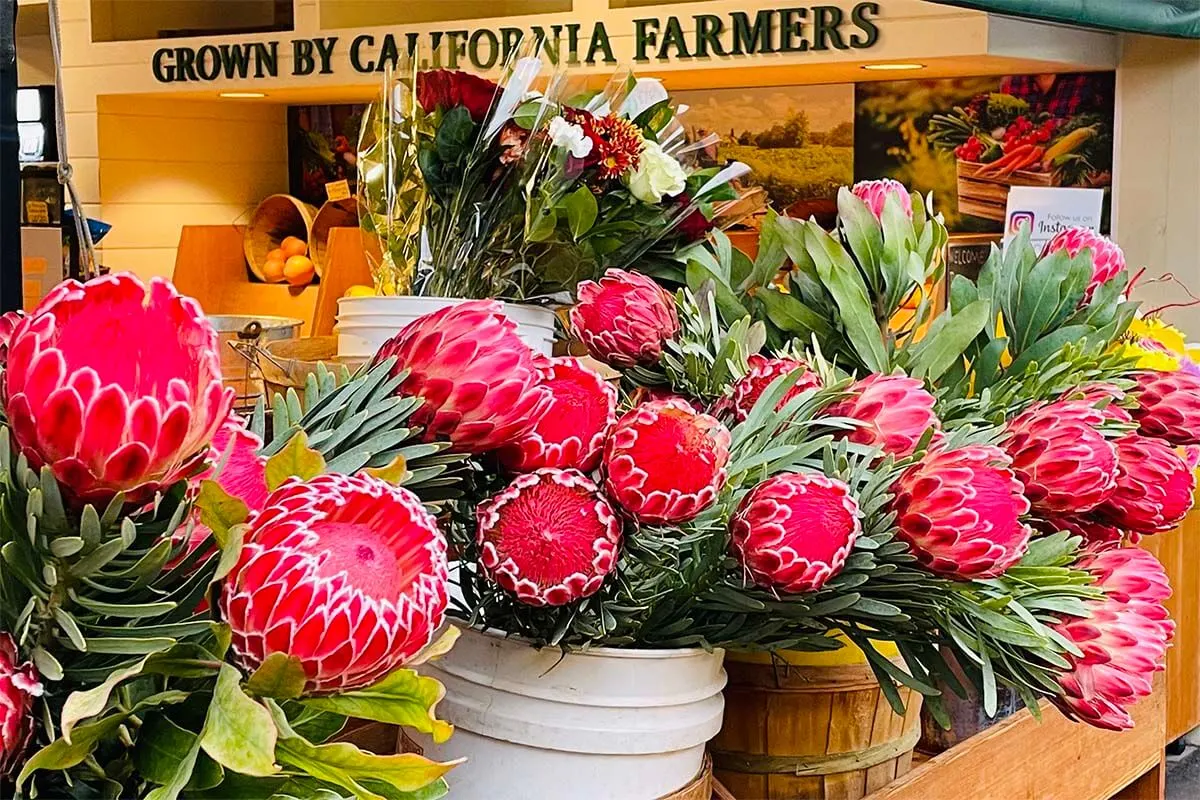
1157	199
171	162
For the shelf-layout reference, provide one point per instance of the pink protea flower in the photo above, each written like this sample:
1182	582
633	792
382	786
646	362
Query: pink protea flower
347	574
1168	406
1060	455
761	374
8	324
1107	259
550	538
624	319
1154	488
875	194
895	410
665	462
18	686
1123	641
238	467
1097	534
476	376
115	386
960	511
1105	396
570	435
794	531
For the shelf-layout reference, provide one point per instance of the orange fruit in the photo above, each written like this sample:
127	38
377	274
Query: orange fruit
276	255
298	270
293	246
272	270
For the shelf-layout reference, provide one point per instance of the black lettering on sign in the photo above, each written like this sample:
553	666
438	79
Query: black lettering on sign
325	51
600	43
826	20
185	64
709	28
791	30
302	57
645	35
356	61
483	49
748	38
861	16
673	37
163	67
388	54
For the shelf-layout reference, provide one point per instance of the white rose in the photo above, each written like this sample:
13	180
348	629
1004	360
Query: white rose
570	137
657	174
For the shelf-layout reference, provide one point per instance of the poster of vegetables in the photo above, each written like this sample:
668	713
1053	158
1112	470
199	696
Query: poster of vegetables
797	140
970	140
322	148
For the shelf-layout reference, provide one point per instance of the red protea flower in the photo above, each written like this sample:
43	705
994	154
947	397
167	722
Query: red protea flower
1154	489
895	410
1097	535
477	378
761	374
665	462
18	686
115	386
1064	461
550	538
8	324
960	511
1123	641
793	531
1107	259
1168	406
1104	396
616	145
570	435
875	195
624	319
347	574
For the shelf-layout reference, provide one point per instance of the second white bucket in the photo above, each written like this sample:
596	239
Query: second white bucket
365	323
605	724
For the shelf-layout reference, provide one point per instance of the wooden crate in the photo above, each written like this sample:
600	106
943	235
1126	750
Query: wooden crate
987	196
1055	759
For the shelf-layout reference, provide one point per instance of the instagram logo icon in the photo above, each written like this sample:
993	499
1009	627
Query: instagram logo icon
1018	219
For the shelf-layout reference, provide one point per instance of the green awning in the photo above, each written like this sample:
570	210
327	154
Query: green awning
1180	18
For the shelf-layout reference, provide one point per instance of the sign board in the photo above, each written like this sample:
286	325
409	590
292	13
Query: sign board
732	35
1050	210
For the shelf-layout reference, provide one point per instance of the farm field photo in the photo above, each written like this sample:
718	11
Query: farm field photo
797	140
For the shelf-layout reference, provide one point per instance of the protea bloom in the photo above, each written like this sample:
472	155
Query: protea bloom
1104	396
895	410
665	462
1064	461
347	574
624	319
1154	487
1107	259
1123	641
761	374
550	538
18	686
8	324
875	194
1168	406
794	531
960	511
570	435
1097	534
476	376
115	386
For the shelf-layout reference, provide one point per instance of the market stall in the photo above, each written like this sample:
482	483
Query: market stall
813	483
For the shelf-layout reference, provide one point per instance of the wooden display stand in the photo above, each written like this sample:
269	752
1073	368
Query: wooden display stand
345	266
211	267
1178	556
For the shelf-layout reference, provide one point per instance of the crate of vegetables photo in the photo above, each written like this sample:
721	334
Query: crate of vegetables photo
998	143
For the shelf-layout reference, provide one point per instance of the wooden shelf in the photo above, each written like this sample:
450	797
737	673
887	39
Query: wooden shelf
1055	759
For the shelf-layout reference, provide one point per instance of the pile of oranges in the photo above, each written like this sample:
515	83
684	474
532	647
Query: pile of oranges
289	262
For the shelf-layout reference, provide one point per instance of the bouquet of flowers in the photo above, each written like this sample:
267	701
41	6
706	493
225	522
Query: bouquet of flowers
185	610
521	193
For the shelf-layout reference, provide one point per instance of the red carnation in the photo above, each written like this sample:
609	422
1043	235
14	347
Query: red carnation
550	538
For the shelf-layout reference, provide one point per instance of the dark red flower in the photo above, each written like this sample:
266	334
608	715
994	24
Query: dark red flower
446	89
694	226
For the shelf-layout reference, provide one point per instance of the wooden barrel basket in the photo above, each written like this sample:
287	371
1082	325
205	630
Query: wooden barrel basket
811	726
276	218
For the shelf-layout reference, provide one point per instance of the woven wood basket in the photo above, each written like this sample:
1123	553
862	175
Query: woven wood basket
276	218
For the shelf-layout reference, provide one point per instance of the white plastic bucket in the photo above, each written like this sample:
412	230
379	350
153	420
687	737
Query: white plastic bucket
605	724
365	323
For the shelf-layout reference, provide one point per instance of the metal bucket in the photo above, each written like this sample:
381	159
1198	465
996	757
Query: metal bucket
240	331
